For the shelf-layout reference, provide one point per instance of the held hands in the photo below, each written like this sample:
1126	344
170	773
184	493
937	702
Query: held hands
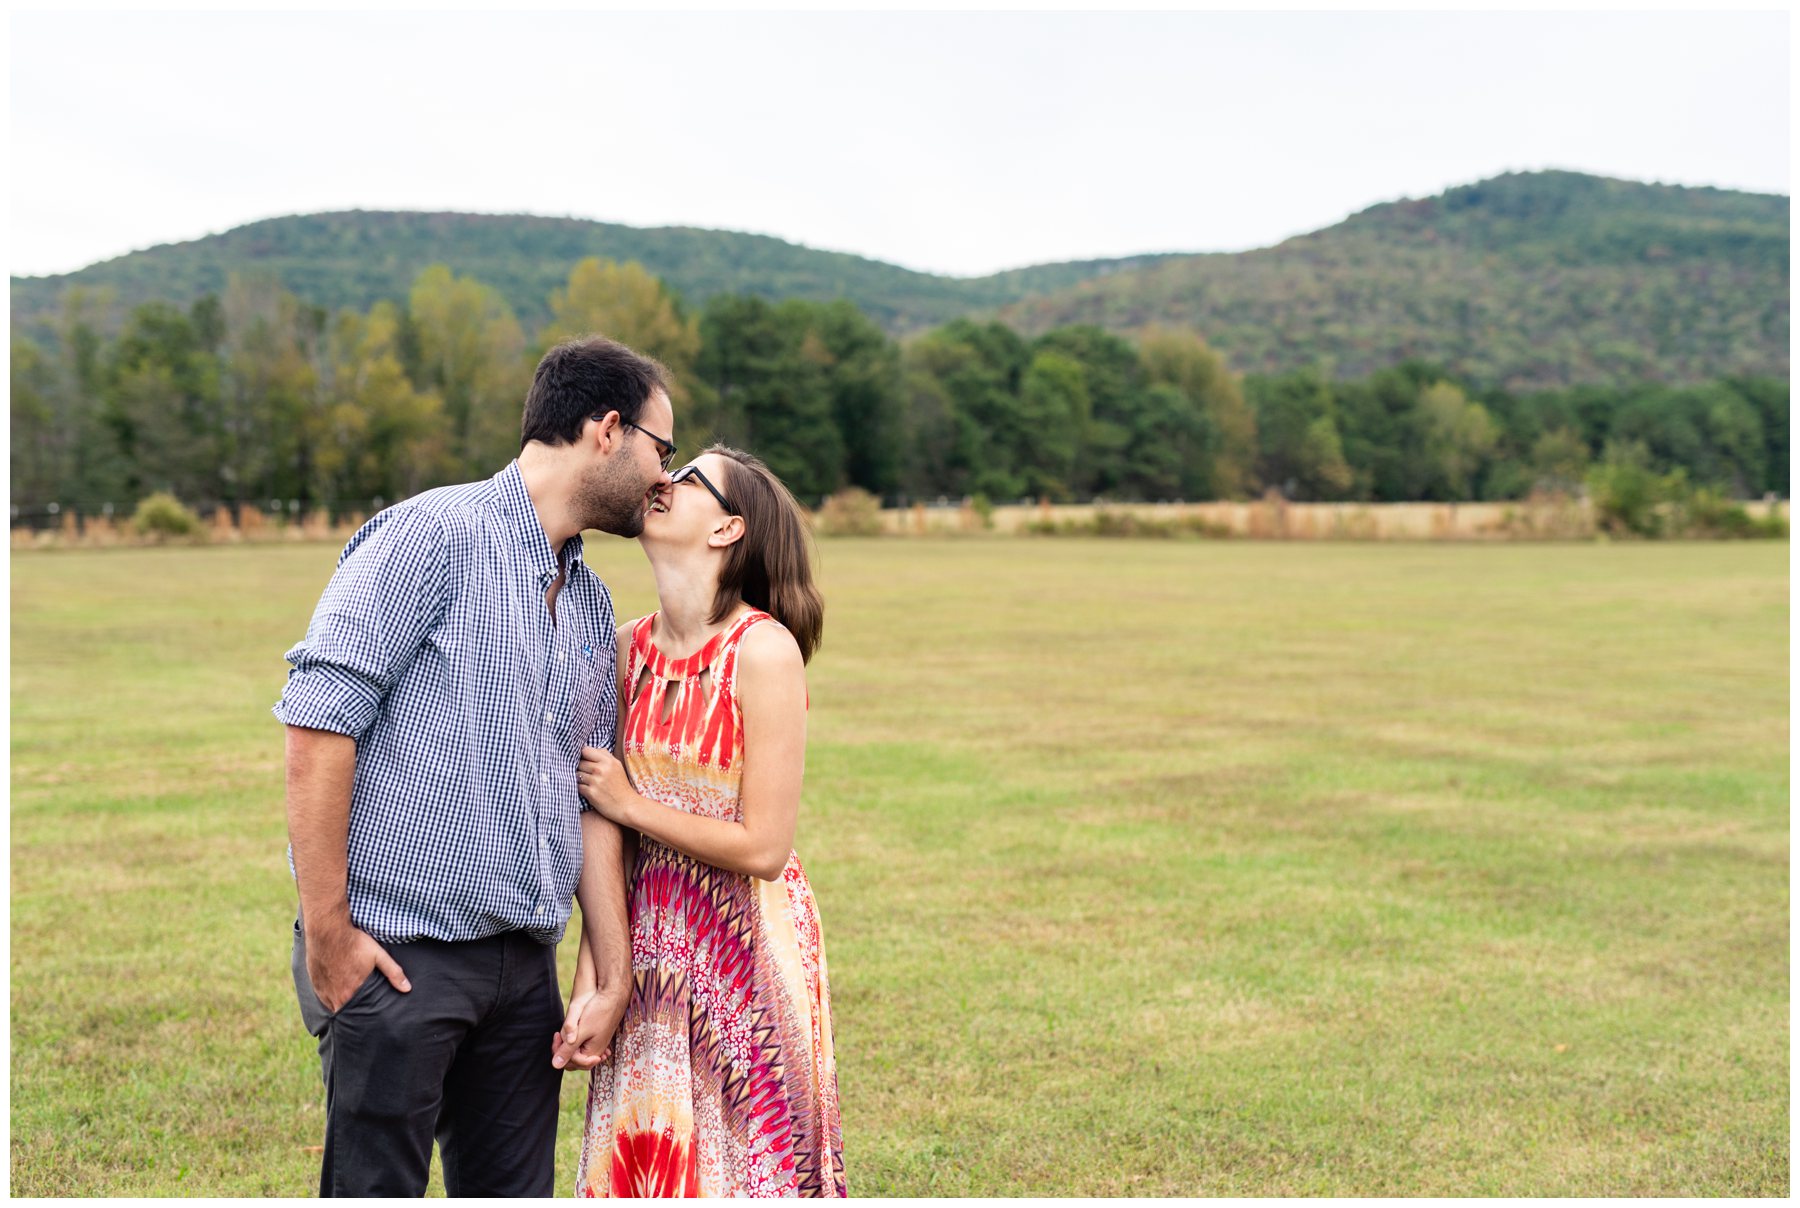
585	1039
603	784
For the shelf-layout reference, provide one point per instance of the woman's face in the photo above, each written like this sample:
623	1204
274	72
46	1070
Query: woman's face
686	512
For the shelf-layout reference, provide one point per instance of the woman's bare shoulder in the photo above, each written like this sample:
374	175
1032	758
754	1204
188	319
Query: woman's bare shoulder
768	648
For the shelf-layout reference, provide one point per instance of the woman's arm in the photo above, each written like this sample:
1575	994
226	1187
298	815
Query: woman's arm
771	691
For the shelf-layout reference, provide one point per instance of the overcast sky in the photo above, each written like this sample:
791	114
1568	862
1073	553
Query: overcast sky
956	143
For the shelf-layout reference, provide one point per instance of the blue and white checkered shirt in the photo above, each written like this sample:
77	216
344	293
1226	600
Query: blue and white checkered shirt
433	648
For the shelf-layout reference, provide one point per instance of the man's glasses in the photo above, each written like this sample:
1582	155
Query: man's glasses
666	447
692	470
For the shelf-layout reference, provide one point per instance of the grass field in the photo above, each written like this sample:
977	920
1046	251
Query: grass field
1146	868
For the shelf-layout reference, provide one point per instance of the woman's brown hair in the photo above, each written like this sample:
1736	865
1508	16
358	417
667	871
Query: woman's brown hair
770	566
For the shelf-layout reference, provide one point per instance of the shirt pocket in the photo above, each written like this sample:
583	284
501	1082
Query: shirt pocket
592	667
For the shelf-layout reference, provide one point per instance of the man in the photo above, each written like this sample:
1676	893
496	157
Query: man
458	661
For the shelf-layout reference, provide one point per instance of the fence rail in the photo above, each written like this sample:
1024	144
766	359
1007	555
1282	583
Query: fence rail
1283	521
1264	520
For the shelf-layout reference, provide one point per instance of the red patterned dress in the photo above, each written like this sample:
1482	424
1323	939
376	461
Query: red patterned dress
722	1081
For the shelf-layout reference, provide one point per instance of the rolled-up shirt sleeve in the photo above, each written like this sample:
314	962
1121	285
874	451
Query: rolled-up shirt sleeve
382	603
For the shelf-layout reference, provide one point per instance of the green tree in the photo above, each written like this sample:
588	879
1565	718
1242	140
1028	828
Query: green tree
1770	398
163	403
1559	461
1456	436
1301	450
978	367
1053	407
37	471
267	395
90	467
1627	490
385	439
625	303
769	370
1218	446
1115	383
1379	425
1174	447
934	459
471	353
1665	422
863	377
1735	444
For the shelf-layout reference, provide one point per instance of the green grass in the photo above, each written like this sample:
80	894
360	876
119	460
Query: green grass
1146	868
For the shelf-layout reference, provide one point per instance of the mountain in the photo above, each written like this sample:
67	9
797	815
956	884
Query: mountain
1526	280
357	257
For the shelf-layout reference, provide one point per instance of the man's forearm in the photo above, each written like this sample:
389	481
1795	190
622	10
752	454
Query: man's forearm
601	893
321	768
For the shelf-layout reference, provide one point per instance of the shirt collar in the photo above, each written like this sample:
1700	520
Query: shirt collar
528	531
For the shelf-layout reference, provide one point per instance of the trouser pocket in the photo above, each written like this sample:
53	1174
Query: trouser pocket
312	1011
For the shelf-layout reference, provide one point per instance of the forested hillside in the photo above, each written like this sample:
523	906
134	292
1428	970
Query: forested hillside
355	259
1533	334
1526	281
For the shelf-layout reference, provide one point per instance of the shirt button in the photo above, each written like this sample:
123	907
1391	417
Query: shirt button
545	777
548	717
559	656
540	910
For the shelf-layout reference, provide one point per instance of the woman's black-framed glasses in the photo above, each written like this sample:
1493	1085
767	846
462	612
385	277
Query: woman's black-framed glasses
692	470
666	447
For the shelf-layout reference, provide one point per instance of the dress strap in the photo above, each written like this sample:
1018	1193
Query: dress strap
640	634
637	654
729	663
743	623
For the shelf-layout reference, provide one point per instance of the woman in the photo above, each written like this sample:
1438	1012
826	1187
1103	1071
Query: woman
721	1079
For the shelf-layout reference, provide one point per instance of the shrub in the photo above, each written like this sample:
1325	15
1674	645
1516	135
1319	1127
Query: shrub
1708	513
1107	522
1629	497
852	512
983	508
1626	491
163	515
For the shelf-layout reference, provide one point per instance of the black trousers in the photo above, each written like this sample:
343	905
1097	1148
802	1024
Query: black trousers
463	1057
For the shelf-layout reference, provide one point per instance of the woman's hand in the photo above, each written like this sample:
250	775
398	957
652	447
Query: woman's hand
565	1047
603	785
585	1039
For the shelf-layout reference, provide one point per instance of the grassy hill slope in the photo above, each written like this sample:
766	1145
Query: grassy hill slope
1527	280
1530	279
357	257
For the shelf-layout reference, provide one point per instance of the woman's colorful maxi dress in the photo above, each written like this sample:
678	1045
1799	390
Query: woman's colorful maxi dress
722	1081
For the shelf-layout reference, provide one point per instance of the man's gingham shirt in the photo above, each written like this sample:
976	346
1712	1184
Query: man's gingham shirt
433	648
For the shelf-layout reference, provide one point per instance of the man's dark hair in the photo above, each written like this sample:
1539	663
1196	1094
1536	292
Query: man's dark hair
587	377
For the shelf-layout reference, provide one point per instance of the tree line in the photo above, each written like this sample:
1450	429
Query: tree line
253	396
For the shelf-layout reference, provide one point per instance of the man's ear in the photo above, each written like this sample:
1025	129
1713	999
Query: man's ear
730	532
607	429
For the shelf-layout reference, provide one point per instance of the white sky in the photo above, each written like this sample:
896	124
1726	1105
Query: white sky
951	142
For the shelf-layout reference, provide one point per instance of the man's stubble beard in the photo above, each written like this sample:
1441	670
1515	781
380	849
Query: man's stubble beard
609	499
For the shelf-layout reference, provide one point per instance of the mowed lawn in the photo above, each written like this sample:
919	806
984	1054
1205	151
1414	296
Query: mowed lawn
1145	868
